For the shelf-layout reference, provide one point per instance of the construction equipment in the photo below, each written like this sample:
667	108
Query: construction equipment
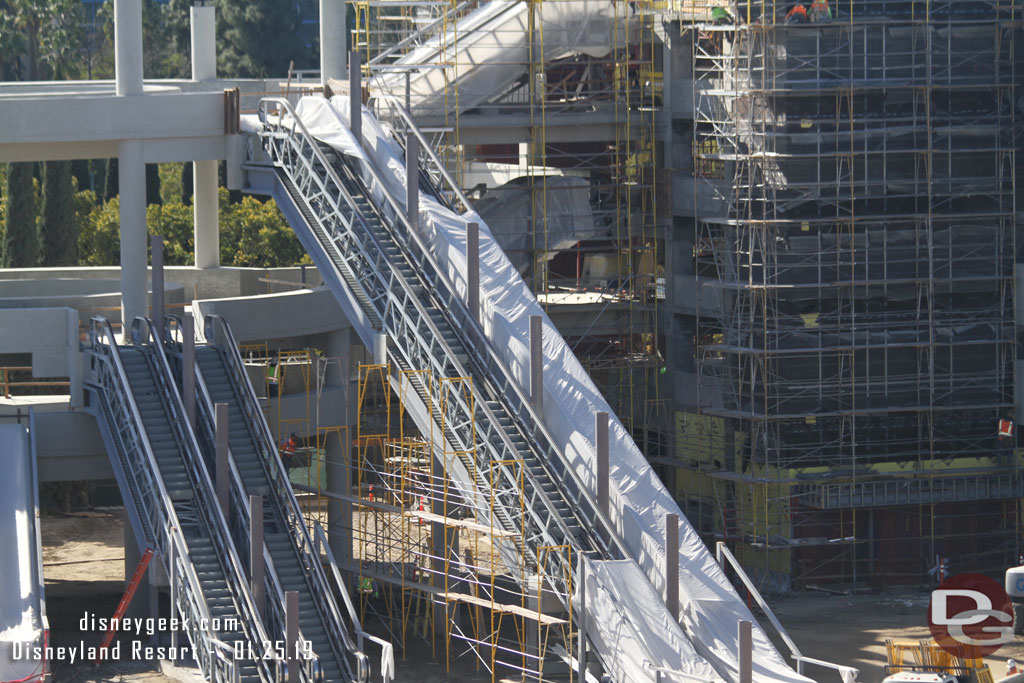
924	661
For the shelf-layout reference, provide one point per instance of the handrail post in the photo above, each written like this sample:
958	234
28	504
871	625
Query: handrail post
672	565
472	267
745	643
412	181
601	437
257	571
355	96
537	363
157	277
291	630
188	368
221	469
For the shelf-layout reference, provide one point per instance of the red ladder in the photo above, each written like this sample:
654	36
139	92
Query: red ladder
122	606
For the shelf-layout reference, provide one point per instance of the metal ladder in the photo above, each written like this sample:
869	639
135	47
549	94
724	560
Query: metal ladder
291	559
170	502
376	254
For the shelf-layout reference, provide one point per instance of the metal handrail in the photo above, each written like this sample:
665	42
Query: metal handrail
418	35
218	331
143	336
168	539
726	559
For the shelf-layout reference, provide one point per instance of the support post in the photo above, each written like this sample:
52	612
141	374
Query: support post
601	437
536	363
206	230
291	631
355	96
581	652
256	569
128	47
157	305
188	367
380	349
131	175
473	269
412	180
204	42
744	637
672	564
221	427
332	40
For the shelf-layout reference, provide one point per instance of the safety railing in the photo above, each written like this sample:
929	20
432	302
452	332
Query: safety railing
282	497
726	560
420	344
424	34
158	518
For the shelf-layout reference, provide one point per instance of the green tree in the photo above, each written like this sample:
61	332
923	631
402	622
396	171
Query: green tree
111	185
50	37
99	242
59	230
257	38
255	234
187	183
21	239
153	184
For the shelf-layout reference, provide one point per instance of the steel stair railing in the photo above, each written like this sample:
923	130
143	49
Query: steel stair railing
424	34
403	309
281	497
206	506
138	473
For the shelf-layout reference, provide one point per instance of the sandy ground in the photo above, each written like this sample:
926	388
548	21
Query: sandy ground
84	566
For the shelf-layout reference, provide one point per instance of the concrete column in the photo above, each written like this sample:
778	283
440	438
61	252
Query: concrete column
221	465
256	569
355	95
131	174
537	363
672	564
157	306
339	513
291	631
380	349
188	367
473	269
207	219
412	180
744	638
601	437
332	40
128	47
204	43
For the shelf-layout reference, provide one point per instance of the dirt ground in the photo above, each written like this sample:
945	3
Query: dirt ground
83	558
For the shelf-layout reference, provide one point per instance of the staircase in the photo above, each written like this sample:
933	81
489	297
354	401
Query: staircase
171	504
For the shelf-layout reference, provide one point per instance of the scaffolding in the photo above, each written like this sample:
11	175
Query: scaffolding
854	244
561	161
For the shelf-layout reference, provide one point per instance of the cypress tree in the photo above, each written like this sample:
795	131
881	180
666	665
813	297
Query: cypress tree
80	169
153	184
21	241
111	187
59	229
186	183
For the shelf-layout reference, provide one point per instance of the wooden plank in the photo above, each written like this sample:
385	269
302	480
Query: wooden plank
543	619
465	524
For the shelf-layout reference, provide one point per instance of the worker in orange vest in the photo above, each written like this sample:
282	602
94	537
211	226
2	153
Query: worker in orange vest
288	451
1005	428
820	12
797	15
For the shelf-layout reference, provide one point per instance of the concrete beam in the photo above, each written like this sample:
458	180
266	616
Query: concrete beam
154	151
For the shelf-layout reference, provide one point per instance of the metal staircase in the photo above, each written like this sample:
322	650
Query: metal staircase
171	504
293	562
369	248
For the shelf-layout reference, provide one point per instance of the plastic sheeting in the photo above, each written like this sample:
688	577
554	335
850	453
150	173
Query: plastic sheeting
20	620
491	50
709	605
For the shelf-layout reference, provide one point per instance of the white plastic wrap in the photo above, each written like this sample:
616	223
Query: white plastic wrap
489	50
709	605
20	619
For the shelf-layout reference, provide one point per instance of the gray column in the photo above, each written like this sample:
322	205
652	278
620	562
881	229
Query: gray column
601	437
744	638
131	174
188	367
537	363
336	452
222	469
355	93
256	568
473	269
157	307
380	349
412	180
204	43
128	47
206	230
291	631
581	653
332	40
672	564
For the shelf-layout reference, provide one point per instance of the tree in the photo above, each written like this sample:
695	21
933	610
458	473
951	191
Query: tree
59	231
21	240
153	184
50	37
111	185
258	38
187	183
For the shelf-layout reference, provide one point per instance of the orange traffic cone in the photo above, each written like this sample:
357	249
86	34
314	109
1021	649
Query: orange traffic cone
419	520
371	492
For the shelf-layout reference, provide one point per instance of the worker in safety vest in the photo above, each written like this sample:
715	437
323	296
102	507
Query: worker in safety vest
1012	668
797	15
288	450
720	16
1006	428
273	379
820	12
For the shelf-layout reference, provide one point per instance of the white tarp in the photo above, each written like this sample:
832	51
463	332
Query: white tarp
20	621
489	50
709	606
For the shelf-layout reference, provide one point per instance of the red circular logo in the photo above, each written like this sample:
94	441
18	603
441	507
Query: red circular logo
970	616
